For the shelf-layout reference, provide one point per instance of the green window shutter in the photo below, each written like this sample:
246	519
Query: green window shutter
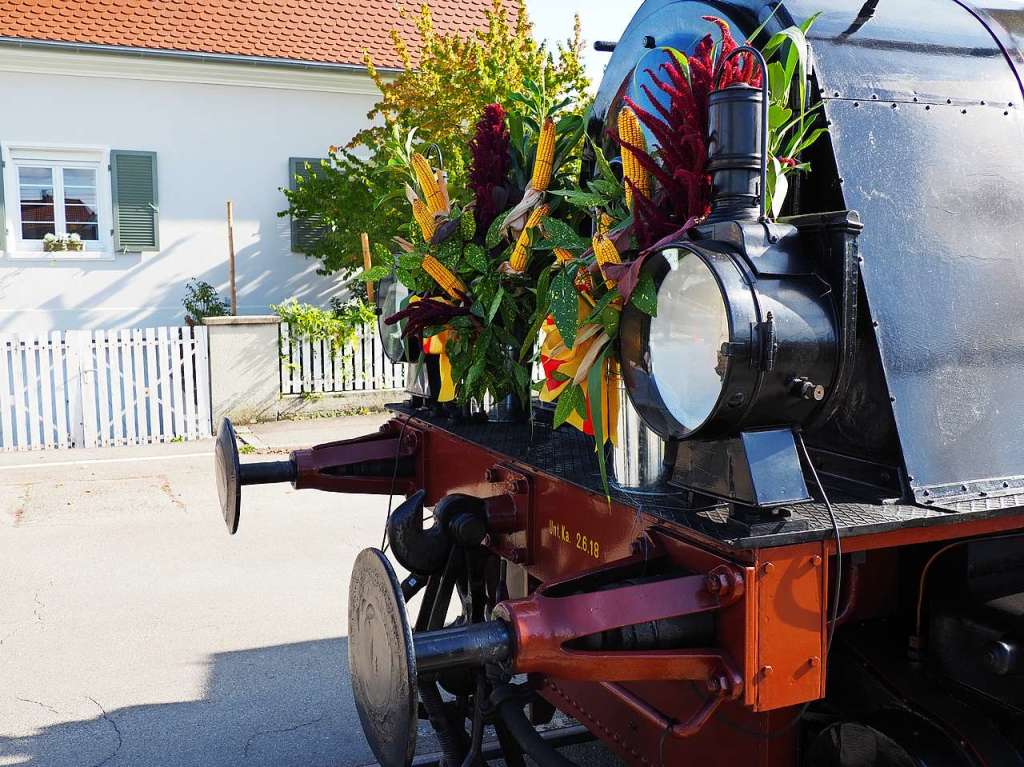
305	232
134	189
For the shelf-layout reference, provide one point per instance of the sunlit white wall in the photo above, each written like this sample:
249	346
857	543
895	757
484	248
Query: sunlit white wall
220	132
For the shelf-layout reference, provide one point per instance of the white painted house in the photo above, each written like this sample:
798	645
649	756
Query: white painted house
131	123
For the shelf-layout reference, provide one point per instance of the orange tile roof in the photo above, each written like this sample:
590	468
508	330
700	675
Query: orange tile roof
326	31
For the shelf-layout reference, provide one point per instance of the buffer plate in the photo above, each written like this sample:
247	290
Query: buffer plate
229	489
381	660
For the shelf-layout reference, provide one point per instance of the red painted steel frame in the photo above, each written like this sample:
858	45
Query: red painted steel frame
774	626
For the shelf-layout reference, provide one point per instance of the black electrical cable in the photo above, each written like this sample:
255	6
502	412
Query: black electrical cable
837	580
394	480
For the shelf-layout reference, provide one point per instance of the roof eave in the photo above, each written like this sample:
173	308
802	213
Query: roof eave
201	56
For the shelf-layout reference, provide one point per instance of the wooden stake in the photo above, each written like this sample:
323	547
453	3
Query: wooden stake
371	292
231	257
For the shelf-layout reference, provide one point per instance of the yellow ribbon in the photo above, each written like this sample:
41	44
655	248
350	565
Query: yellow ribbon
556	357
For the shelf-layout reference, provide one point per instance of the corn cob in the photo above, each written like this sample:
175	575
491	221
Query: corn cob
632	170
606	253
442	185
544	164
521	253
444	277
584	282
426	220
604	223
428	184
564	256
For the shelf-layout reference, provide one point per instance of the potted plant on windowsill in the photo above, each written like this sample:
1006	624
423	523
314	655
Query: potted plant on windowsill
58	243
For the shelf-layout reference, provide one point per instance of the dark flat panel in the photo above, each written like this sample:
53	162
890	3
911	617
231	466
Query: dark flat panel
939	184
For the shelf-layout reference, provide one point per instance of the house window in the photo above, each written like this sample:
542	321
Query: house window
58	194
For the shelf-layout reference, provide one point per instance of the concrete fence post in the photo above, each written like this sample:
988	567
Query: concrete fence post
245	368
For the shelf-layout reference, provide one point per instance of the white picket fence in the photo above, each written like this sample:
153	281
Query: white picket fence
104	388
318	367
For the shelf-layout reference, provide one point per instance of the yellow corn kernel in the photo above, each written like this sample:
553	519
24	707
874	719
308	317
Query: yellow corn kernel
606	253
521	253
426	220
563	255
444	277
604	223
545	162
631	133
428	184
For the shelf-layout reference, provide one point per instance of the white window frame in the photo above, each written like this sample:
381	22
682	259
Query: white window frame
23	154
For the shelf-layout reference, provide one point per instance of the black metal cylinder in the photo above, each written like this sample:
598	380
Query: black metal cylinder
735	119
474	644
266	473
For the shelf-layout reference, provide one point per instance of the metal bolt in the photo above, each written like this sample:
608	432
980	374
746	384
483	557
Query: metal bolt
719	684
816	560
815	661
767	670
767	567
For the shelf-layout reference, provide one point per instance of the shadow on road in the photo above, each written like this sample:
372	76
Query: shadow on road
283	705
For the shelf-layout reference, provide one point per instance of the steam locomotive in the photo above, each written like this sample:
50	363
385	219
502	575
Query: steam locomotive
827	567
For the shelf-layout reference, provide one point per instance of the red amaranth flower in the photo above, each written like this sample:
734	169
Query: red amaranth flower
490	163
680	129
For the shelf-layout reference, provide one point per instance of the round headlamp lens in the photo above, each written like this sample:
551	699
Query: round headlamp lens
686	338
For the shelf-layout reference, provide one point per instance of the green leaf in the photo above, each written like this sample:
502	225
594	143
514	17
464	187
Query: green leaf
569	401
681	60
376	274
495	305
449	253
522	379
604	188
594	380
778	116
778	84
806	24
778	187
558	234
604	168
580	199
645	295
539	314
565	306
609	320
494	231
476	257
807	142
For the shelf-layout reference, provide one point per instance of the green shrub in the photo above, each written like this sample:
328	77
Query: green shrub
440	96
202	300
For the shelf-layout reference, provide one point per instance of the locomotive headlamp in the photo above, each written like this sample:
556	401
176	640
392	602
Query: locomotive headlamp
729	350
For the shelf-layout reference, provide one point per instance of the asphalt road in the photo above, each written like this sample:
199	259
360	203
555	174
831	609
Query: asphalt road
135	631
